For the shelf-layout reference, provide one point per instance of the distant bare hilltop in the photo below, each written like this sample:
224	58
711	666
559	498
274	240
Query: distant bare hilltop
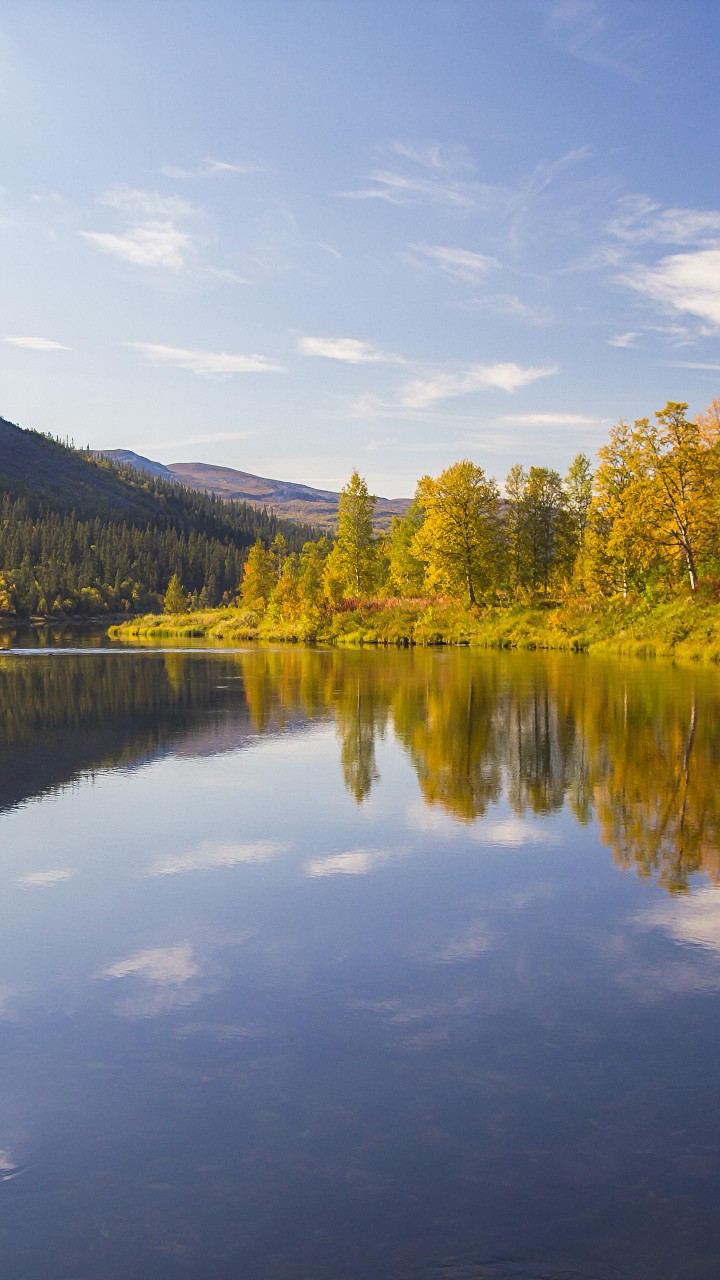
291	501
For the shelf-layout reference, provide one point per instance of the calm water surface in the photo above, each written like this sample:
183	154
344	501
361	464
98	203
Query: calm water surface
329	966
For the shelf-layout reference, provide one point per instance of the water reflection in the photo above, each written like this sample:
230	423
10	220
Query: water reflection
636	747
326	976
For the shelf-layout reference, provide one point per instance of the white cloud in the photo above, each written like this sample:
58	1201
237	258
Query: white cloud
162	965
210	855
225	273
590	31
328	248
643	221
624	340
37	344
461	264
553	420
349	350
432	173
688	282
422	393
207	364
357	863
153	244
145	204
694	364
45	879
208	169
508	304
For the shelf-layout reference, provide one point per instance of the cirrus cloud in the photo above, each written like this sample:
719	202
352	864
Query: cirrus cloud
348	350
206	364
36	344
156	244
423	392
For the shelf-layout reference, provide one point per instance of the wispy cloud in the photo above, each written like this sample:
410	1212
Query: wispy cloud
460	264
207	364
37	344
215	437
643	221
593	32
328	248
163	965
693	364
211	854
686	282
160	245
348	350
624	340
432	173
146	204
508	304
45	879
552	420
224	273
423	392
208	168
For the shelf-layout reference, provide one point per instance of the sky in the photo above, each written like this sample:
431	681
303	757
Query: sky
299	237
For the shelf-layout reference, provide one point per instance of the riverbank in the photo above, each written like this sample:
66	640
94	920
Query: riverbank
681	628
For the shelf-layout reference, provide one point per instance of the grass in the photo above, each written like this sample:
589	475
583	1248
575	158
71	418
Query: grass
680	627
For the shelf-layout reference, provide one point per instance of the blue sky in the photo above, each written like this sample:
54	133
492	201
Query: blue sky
302	236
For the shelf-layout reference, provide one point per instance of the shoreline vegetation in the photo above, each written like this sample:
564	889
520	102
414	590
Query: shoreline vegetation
682	629
624	560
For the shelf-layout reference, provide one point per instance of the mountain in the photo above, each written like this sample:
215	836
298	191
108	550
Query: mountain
286	498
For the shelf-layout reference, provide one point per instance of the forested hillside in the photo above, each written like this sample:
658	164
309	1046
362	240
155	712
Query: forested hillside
79	535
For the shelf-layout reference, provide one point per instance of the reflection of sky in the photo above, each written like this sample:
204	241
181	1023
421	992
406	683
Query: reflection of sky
223	975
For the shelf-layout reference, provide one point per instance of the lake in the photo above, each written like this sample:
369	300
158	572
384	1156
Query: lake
323	965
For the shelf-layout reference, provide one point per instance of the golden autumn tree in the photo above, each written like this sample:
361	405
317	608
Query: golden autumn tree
459	540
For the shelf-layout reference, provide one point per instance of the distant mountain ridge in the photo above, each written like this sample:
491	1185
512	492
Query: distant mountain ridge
288	499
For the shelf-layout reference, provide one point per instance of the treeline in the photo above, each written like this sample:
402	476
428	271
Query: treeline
646	521
107	539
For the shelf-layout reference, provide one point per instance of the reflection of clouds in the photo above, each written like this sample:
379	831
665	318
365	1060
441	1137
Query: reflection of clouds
6	1161
355	863
475	941
45	879
694	920
164	980
211	854
163	965
511	832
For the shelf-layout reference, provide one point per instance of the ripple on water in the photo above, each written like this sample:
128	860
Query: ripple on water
519	1269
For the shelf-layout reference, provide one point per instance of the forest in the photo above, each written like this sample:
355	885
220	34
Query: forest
645	522
81	536
642	524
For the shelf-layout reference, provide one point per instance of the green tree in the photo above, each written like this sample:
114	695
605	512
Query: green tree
406	571
355	545
175	599
578	490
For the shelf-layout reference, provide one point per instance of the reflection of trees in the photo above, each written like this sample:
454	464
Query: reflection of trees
453	735
636	745
62	716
